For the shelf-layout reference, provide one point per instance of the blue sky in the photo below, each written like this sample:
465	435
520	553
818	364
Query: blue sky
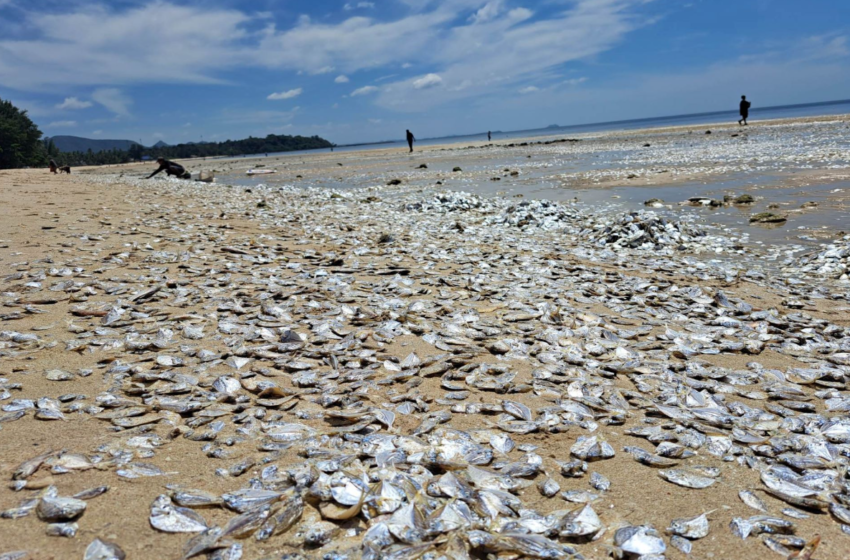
354	71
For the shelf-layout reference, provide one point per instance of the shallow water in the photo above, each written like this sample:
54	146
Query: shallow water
595	173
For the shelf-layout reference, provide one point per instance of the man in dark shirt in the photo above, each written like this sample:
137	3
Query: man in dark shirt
171	169
745	110
410	140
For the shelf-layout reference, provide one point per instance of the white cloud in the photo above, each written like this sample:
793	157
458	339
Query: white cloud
74	103
427	81
575	81
291	94
324	70
362	5
342	79
114	100
365	90
97	132
488	12
62	124
354	44
99	44
529	89
501	50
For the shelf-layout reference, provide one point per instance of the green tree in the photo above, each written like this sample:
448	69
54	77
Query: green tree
20	144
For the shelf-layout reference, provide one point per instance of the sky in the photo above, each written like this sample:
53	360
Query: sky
360	71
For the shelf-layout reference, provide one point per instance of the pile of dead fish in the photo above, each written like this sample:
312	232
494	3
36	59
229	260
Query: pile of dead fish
646	230
544	215
833	262
448	201
485	431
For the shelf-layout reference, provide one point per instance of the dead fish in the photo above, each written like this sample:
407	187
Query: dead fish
752	500
691	528
91	493
646	458
281	520
682	544
203	542
68	530
103	550
548	487
686	478
640	540
599	482
195	498
590	448
168	518
139	470
28	467
581	522
56	508
245	524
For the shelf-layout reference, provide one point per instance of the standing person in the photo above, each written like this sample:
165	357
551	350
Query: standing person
744	109
410	140
489	136
53	167
170	169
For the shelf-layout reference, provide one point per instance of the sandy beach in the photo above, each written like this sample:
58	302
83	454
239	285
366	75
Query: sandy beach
359	322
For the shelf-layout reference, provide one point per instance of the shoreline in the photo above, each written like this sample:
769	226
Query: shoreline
501	143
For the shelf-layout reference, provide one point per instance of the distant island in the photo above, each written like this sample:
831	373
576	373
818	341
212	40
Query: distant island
554	126
78	144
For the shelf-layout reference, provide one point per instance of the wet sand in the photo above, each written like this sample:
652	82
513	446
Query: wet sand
110	228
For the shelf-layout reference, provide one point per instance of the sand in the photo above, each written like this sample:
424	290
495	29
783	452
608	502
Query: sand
42	217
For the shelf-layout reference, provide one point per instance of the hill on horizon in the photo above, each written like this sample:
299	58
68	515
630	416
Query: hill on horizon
79	144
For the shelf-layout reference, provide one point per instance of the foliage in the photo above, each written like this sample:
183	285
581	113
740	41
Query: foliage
270	144
20	144
106	157
249	146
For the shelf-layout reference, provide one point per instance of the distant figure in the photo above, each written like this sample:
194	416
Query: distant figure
53	167
489	136
745	110
170	169
410	140
65	169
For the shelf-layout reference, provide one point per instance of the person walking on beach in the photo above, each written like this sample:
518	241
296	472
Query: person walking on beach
745	110
171	169
489	136
410	140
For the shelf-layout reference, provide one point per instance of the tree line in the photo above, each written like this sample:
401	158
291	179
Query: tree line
272	143
21	145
